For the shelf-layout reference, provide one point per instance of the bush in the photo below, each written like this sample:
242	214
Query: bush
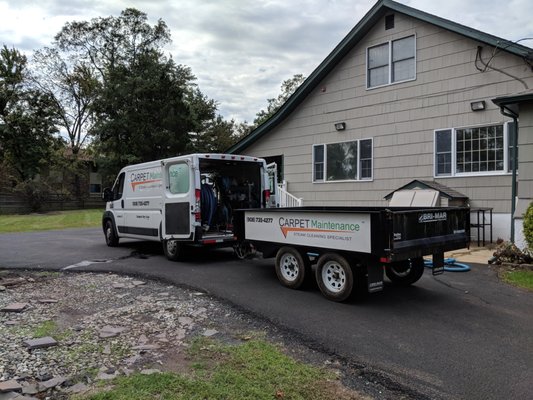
34	193
528	226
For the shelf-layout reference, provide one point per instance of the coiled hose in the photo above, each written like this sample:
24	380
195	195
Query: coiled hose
450	265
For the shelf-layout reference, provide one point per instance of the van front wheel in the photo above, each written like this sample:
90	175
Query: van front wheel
173	249
111	237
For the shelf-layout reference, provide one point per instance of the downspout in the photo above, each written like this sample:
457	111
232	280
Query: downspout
514	116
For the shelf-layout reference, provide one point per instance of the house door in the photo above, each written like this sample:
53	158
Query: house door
279	165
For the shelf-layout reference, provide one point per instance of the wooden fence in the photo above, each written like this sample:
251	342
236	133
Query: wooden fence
11	204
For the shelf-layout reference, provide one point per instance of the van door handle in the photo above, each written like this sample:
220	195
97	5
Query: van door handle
122	203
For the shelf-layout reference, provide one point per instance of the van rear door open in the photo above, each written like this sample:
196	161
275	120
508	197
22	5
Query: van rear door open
179	195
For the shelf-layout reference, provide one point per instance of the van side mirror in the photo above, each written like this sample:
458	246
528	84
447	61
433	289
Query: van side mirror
107	195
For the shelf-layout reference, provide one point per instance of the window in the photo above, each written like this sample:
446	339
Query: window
511	138
443	152
477	150
389	22
391	62
365	159
318	156
118	187
178	175
344	161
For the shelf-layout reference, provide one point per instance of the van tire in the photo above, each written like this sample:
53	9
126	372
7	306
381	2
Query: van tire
173	249
111	237
335	277
292	268
406	272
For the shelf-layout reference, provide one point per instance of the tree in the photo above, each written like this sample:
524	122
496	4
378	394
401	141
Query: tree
106	43
217	136
73	86
27	120
148	111
288	87
148	106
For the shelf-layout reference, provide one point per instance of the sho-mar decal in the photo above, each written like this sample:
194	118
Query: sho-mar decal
432	217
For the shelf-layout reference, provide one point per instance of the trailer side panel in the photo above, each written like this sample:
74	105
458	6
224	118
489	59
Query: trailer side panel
338	231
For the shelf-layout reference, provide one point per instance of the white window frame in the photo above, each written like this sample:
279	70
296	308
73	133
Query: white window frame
390	82
454	173
359	178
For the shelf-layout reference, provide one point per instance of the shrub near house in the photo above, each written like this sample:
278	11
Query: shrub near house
528	227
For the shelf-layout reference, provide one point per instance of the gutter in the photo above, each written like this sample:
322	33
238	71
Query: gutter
509	113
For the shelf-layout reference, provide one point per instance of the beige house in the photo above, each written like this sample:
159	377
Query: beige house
405	96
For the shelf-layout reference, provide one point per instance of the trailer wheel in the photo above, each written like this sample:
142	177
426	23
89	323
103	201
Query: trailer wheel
172	249
292	269
111	237
334	277
405	272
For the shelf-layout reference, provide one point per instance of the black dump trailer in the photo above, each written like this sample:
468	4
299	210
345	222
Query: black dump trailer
353	246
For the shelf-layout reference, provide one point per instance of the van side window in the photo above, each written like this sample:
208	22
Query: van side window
178	177
118	187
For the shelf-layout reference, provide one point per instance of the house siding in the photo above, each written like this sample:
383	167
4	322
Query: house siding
401	118
525	145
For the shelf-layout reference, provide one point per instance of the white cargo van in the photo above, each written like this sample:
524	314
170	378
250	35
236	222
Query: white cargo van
185	200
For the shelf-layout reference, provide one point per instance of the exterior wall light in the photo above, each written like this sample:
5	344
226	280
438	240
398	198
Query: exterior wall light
340	126
477	105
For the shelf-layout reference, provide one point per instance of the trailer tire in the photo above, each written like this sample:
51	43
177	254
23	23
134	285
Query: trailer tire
292	268
173	249
335	277
111	238
406	272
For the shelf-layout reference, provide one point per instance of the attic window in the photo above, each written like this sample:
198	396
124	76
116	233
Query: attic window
391	62
389	22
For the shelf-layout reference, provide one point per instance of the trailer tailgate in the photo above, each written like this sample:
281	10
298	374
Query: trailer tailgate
416	233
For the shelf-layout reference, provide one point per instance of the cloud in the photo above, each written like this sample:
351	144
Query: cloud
242	51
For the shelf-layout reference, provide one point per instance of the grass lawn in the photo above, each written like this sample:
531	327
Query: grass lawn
253	370
51	220
520	278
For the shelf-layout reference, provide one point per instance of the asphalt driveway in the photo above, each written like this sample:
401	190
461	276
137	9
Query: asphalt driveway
456	336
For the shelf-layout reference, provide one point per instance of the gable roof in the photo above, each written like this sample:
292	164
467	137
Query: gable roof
444	191
380	9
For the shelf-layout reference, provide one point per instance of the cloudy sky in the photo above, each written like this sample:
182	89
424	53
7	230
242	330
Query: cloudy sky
242	50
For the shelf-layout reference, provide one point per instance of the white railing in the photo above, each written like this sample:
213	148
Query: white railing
285	199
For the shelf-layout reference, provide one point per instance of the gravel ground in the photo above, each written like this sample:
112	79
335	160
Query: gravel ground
106	325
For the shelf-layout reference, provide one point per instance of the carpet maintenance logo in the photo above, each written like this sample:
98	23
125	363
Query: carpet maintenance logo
144	178
340	231
310	225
